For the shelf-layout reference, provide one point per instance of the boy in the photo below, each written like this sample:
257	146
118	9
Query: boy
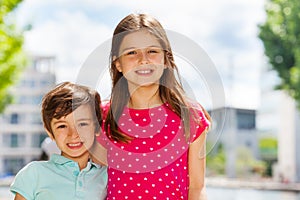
72	117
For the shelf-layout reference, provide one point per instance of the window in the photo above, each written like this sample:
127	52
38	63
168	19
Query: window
14	118
246	119
13	165
37	139
13	140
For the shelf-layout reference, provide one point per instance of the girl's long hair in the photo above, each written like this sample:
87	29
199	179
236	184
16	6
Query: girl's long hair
170	87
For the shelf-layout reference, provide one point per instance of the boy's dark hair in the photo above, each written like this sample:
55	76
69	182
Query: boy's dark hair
67	97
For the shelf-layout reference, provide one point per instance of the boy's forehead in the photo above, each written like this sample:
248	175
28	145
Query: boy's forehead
82	112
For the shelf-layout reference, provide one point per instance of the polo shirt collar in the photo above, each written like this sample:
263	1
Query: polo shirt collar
61	160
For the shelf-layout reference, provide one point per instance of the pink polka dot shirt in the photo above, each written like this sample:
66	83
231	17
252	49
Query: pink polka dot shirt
154	164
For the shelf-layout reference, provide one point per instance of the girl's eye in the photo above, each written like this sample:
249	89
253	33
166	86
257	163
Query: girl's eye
83	124
154	51
131	53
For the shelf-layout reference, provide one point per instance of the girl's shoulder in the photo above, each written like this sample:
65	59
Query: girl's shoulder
105	106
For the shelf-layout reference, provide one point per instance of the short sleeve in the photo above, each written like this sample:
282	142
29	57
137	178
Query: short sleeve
25	182
199	123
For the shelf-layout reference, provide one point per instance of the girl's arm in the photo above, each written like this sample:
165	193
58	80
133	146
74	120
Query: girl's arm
197	164
19	197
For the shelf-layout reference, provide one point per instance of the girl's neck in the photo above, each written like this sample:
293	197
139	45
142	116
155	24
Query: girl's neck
145	97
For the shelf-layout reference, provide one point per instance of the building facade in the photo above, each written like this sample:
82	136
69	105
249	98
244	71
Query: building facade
279	117
238	130
22	132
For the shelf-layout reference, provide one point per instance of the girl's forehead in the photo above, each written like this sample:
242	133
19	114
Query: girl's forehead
139	39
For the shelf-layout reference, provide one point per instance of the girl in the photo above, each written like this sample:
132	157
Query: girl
154	135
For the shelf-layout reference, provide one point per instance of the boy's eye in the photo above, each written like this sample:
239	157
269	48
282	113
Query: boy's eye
61	126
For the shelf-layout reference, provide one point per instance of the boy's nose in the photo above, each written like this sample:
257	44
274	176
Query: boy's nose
73	132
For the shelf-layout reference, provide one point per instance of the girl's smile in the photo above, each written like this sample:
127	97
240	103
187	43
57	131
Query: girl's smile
141	59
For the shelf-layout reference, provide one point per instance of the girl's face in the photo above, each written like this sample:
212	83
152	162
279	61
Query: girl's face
74	133
141	59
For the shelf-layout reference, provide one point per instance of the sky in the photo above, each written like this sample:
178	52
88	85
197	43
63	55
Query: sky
225	29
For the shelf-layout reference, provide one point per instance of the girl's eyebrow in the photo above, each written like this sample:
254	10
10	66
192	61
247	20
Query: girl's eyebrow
84	119
130	48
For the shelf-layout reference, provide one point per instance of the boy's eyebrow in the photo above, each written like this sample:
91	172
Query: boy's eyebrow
59	121
64	121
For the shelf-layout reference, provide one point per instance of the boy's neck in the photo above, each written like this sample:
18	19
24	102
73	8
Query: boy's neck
81	161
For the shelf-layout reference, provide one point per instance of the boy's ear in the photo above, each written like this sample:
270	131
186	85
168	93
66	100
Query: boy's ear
117	64
50	135
97	133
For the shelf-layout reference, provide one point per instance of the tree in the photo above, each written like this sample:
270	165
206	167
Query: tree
280	34
12	56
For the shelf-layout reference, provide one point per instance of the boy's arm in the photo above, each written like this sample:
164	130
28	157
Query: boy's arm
197	164
19	197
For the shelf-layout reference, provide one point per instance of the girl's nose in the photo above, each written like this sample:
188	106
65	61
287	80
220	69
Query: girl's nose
143	56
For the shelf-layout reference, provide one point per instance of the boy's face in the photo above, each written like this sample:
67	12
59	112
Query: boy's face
74	134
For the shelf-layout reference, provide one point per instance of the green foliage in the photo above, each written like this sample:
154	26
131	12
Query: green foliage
12	57
268	148
247	165
215	161
280	34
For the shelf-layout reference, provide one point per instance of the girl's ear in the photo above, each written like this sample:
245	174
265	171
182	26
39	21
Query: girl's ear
117	63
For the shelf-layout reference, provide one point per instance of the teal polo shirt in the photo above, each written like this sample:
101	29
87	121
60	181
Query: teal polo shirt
60	179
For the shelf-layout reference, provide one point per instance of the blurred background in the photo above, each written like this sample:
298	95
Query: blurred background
252	150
